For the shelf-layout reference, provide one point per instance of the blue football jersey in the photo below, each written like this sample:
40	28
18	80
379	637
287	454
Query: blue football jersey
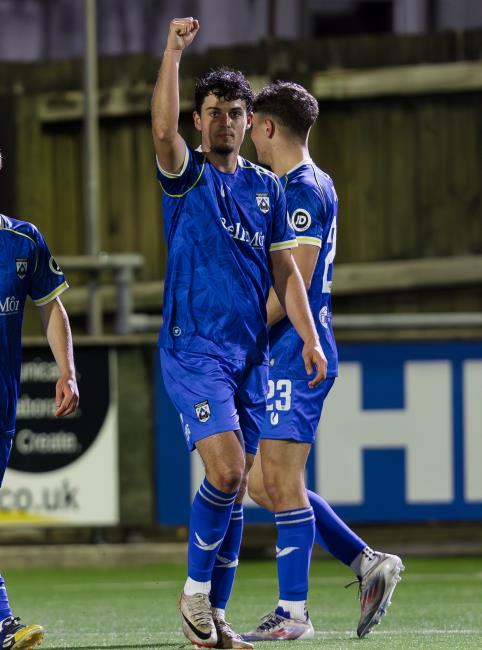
220	229
26	268
313	211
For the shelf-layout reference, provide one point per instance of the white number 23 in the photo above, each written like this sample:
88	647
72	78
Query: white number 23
282	391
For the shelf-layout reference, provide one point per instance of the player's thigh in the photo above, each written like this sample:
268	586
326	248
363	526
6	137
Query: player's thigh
293	410
202	393
250	401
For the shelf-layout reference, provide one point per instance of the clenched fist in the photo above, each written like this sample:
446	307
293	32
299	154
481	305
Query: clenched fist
181	33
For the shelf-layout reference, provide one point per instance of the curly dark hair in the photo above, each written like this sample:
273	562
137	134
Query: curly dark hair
289	103
223	82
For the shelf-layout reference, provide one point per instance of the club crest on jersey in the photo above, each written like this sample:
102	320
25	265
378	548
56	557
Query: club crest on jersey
203	411
22	265
301	220
262	199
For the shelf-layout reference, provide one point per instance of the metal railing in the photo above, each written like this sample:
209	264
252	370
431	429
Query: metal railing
122	266
351	279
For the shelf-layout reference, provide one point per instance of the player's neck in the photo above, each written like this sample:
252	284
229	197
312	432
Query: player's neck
226	163
287	156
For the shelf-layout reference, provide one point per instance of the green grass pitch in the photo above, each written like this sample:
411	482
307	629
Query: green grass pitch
438	604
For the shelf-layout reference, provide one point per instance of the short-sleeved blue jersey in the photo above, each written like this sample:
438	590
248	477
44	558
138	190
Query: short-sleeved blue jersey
26	268
220	229
313	212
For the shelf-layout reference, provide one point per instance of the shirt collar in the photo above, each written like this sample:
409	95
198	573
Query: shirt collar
305	161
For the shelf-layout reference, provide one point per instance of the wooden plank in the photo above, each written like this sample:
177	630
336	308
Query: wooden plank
419	79
400	181
408	275
148	201
134	99
360	281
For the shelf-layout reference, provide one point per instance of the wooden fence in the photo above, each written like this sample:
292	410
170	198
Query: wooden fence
407	164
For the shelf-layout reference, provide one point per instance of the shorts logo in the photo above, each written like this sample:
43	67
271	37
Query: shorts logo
274	419
203	411
54	267
262	199
176	331
301	220
324	316
22	265
186	429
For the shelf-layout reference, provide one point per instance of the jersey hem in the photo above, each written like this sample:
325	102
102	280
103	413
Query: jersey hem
163	345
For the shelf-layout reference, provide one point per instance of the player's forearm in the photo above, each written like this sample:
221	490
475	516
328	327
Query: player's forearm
291	292
165	99
275	311
57	329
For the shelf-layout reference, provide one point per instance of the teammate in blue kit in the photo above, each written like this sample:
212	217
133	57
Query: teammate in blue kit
283	115
229	239
28	268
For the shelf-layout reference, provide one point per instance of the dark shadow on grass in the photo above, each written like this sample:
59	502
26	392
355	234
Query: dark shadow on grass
152	646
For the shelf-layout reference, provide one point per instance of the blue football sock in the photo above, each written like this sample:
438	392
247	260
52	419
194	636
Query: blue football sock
332	533
227	560
5	610
210	516
296	533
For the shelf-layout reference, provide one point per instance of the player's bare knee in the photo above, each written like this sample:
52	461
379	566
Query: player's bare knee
227	479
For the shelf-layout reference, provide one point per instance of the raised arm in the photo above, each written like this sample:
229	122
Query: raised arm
57	328
291	292
169	145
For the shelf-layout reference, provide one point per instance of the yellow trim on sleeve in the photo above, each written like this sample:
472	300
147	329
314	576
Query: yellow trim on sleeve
15	232
178	196
312	241
281	245
257	168
53	294
182	170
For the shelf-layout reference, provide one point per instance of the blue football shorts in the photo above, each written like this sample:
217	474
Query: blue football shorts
215	394
6	440
293	409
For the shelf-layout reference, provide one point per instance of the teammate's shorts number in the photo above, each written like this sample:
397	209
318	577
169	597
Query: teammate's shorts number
281	390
